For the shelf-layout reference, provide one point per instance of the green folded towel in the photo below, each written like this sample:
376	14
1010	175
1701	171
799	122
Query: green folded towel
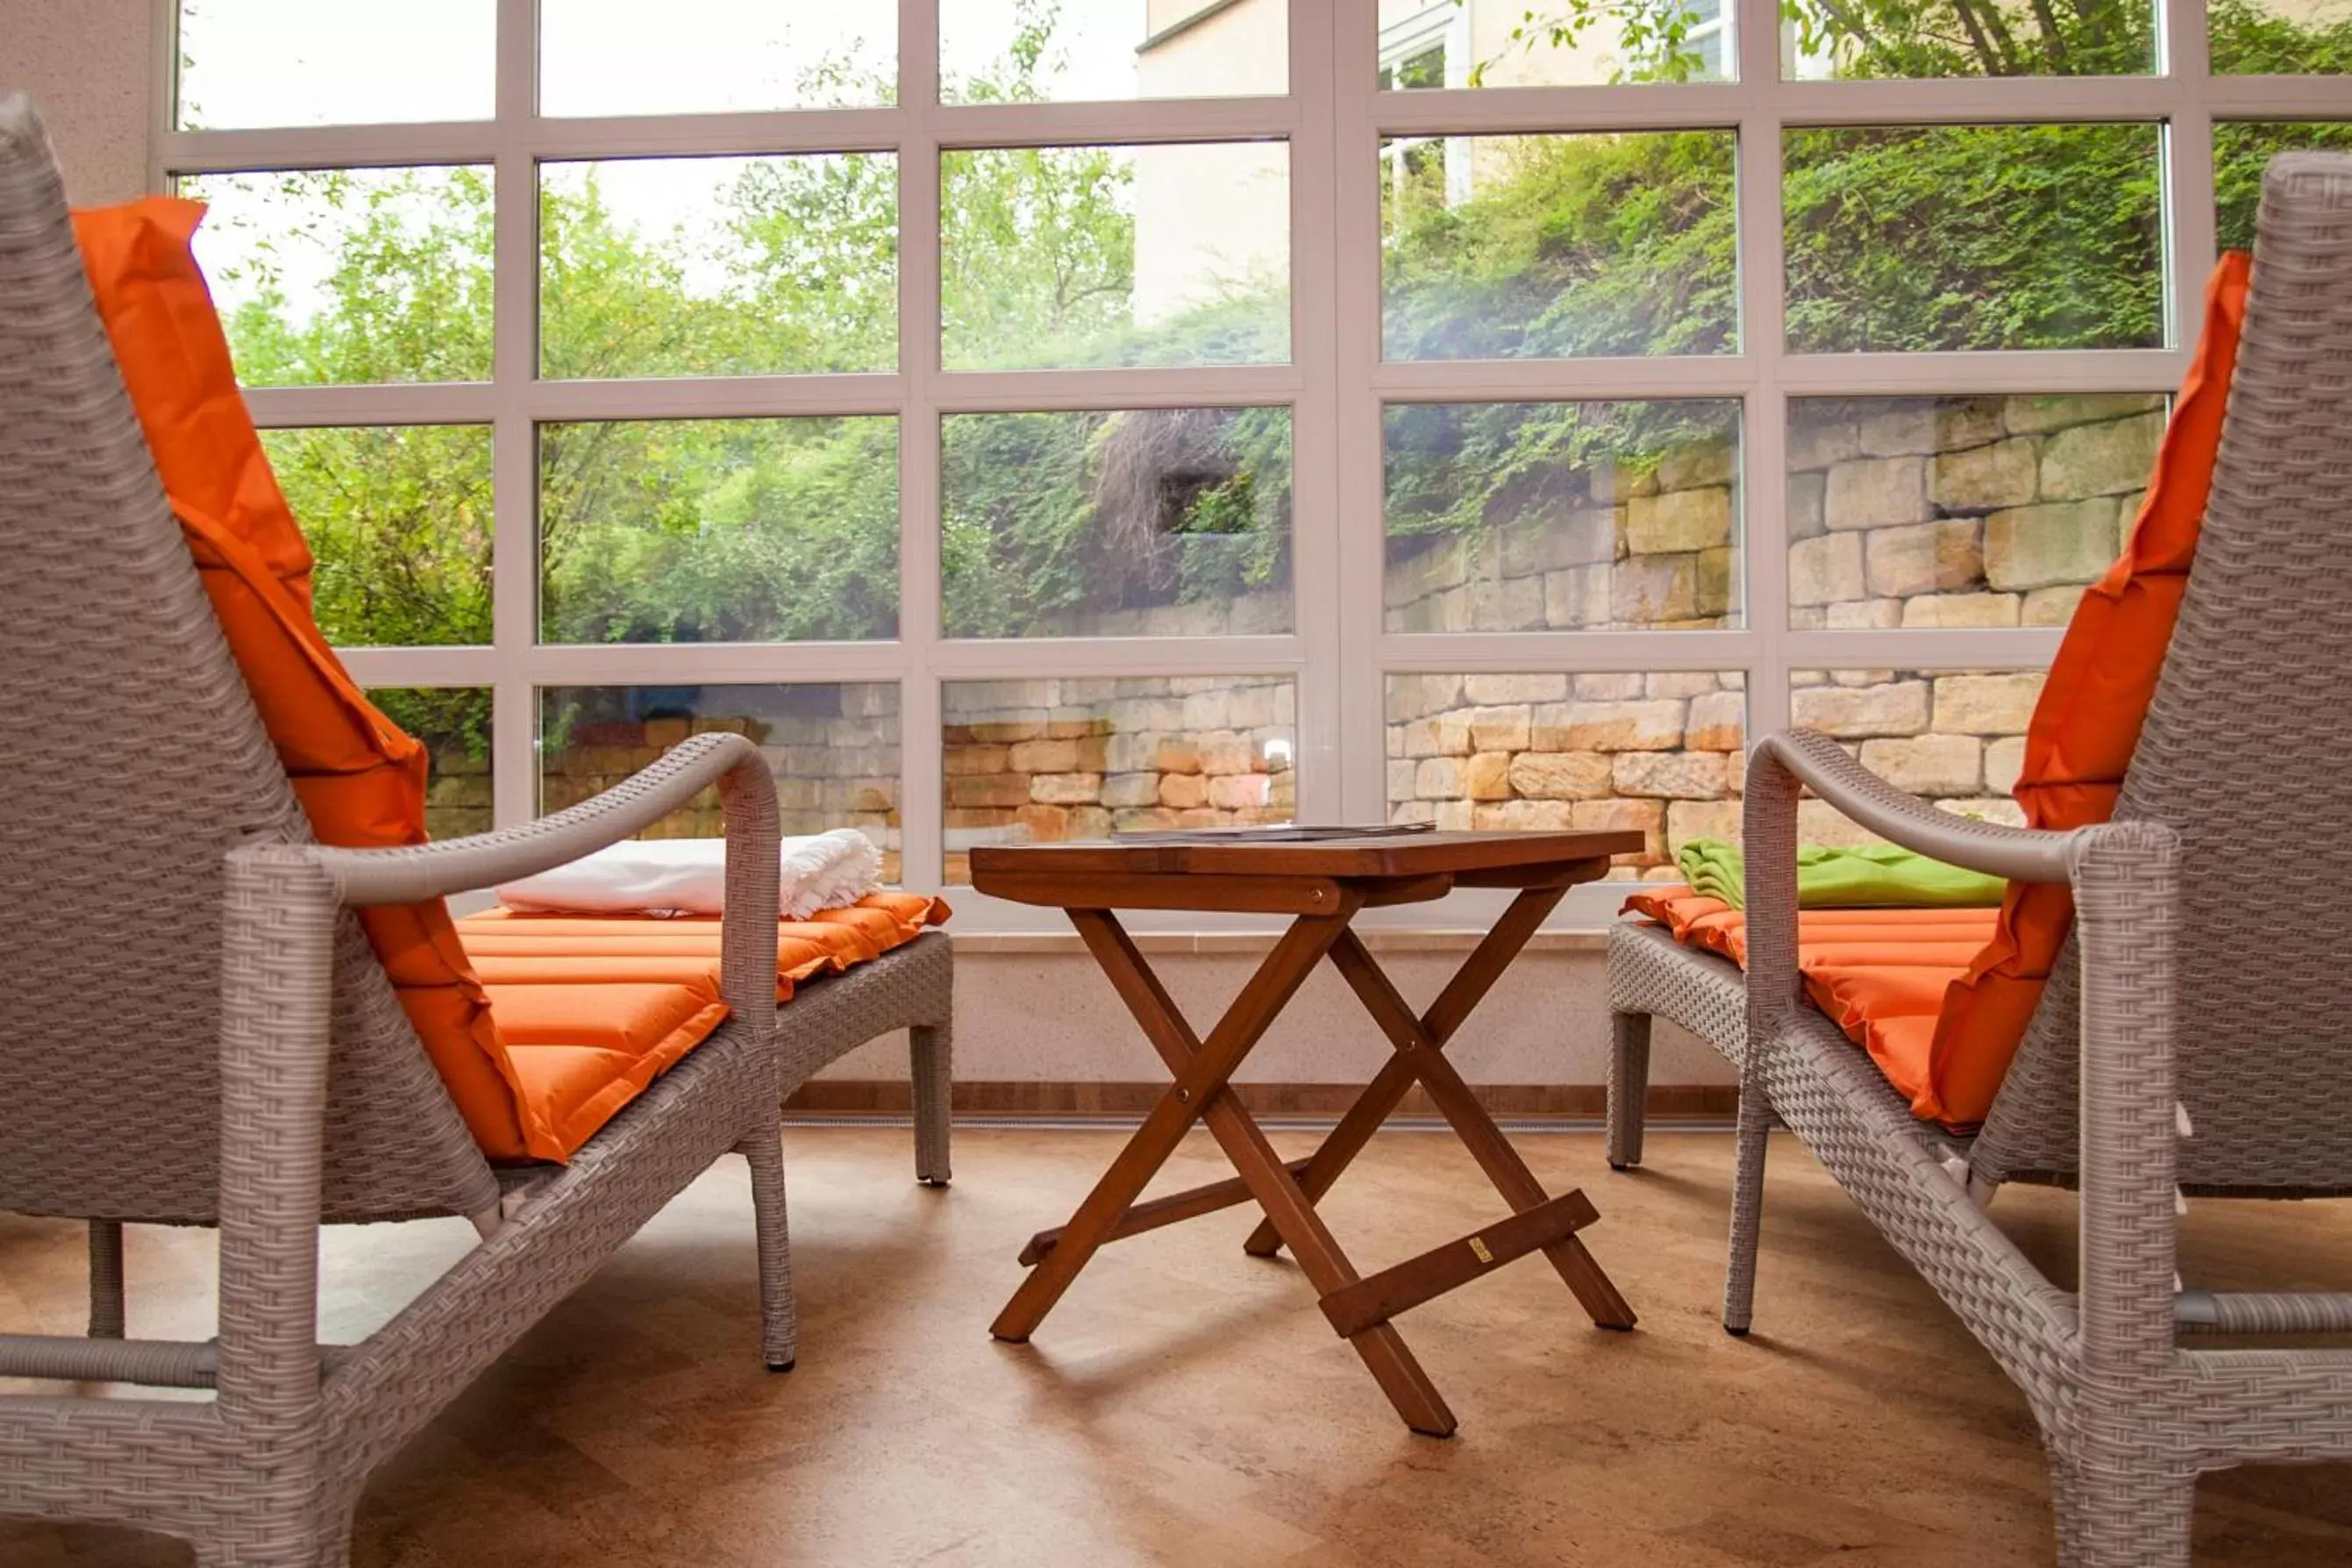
1714	870
1876	876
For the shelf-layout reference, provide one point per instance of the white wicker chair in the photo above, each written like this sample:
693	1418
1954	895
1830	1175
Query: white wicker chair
195	1031
2191	982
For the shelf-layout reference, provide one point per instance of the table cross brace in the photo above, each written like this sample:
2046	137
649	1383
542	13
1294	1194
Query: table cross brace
1359	1307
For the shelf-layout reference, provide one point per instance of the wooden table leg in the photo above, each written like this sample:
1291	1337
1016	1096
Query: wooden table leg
1201	1071
1476	1130
1387	1090
1207	1065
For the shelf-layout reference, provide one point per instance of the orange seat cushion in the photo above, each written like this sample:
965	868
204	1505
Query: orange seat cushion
359	779
2087	722
518	947
593	1008
1879	973
1940	998
549	1027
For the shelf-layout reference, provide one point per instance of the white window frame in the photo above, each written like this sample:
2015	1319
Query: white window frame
1333	118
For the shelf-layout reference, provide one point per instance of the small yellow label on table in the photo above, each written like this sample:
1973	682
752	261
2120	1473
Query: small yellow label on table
1478	1250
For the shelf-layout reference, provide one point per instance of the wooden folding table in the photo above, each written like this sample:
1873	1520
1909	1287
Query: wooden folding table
1323	884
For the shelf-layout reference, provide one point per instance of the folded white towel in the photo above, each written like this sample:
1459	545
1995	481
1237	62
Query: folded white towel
688	877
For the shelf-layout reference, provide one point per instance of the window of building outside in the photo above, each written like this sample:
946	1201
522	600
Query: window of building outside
1032	419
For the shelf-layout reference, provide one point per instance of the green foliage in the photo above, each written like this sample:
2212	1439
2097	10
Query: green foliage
452	720
1568	245
2242	149
1936	238
719	530
1049	518
398	518
1036	254
1974	237
407	297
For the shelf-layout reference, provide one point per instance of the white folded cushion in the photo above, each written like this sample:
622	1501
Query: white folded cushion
688	877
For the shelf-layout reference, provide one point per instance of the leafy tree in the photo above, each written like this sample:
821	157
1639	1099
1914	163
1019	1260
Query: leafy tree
1944	237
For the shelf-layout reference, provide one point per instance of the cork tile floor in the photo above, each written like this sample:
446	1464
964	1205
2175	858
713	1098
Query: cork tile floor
1187	1405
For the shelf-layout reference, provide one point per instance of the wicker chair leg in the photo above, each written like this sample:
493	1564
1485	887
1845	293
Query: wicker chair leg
1629	1087
933	1049
106	1310
779	1330
333	1542
2122	1511
1746	1206
274	1543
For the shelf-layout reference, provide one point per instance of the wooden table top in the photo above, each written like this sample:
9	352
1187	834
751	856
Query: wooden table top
1078	875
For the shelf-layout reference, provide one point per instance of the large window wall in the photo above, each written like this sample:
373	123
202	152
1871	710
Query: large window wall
1028	420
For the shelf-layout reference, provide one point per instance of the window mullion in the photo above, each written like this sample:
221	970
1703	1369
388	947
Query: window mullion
2190	246
921	803
1319	548
1352	47
1763	491
514	459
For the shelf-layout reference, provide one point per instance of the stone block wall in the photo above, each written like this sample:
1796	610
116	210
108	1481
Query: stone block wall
1624	548
834	750
1053	760
1903	511
457	799
1662	755
1961	511
1259	613
1955	736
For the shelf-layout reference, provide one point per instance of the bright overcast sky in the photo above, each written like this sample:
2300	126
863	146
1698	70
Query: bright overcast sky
310	62
302	62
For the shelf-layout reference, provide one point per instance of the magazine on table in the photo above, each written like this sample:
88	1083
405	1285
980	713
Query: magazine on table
1270	833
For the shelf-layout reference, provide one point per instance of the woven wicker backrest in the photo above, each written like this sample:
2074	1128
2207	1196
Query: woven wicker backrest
2246	752
130	761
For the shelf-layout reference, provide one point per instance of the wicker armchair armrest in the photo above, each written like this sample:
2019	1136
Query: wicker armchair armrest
282	904
1779	767
2021	853
485	859
746	795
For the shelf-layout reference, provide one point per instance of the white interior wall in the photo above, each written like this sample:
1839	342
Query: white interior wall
90	66
1050	1018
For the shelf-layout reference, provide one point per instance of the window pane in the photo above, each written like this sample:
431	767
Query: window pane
454	723
992	52
1446	43
2242	149
398	517
1961	511
1562	516
719	531
1134	522
833	748
1542	246
719	266
1954	736
2280	38
1059	257
1040	761
1659	753
1821	39
349	275
299	62
707	56
1974	237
